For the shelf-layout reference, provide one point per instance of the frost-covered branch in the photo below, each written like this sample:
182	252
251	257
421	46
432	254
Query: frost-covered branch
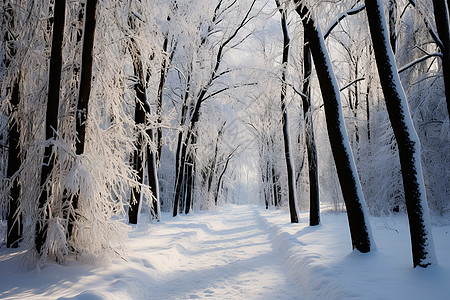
342	16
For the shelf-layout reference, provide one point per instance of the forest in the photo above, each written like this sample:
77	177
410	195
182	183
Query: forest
118	112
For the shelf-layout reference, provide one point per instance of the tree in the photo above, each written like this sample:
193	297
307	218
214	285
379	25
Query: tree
287	142
345	165
51	121
85	91
144	134
205	91
406	136
314	204
14	227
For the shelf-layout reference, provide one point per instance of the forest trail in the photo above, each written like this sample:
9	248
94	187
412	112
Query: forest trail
224	254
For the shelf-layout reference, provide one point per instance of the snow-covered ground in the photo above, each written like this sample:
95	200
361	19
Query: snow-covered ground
242	252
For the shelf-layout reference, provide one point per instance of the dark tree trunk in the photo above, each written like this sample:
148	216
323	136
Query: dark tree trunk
219	181
84	93
180	180
287	143
392	8
314	205
141	110
162	82
14	229
343	157
441	17
189	182
265	182
152	173
139	118
184	110
51	120
276	187
86	75
406	136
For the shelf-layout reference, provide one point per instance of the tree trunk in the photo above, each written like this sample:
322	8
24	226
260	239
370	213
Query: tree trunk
441	17
84	93
142	108
406	136
219	181
162	82
51	121
152	173
345	165
189	182
392	8
183	152
287	143
14	228
314	204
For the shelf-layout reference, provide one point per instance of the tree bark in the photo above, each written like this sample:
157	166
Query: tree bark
345	165
314	204
406	136
51	121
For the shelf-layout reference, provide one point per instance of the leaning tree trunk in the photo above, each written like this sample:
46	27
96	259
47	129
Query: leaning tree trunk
406	136
287	143
441	16
343	158
51	121
314	205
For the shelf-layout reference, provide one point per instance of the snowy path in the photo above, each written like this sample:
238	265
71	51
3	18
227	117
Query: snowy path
219	255
224	254
242	252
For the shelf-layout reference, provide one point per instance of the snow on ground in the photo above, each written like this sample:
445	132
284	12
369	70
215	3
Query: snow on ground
242	252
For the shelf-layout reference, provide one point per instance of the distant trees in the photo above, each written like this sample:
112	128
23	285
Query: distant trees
210	85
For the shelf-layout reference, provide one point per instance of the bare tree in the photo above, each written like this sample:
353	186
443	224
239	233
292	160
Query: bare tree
205	93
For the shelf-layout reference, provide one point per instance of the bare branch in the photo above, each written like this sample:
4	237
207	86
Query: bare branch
352	11
413	63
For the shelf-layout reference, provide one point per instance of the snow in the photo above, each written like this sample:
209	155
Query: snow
242	252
